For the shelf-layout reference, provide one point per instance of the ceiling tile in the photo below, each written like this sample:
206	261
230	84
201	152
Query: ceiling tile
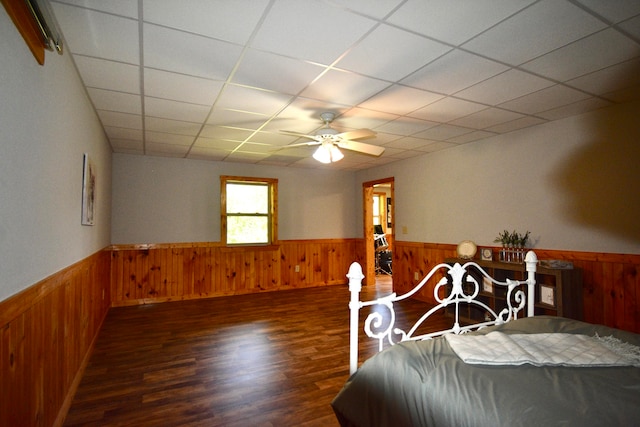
344	87
614	11
447	109
169	150
407	143
246	157
545	99
225	73
252	100
376	9
203	153
272	138
217	144
128	8
178	87
504	87
544	26
592	53
358	118
404	154
443	132
104	74
258	68
383	138
311	30
486	118
113	118
167	138
400	100
632	26
452	24
175	110
405	126
225	133
628	94
520	123
127	145
256	147
453	72
614	78
173	50
225	20
97	34
576	108
471	137
156	124
123	133
364	57
437	146
236	118
115	101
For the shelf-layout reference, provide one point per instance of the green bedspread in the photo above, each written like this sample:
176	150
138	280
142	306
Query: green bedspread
426	384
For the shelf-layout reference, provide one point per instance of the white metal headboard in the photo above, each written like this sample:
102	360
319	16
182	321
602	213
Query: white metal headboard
516	301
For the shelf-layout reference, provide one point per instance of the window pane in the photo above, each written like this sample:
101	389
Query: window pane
247	198
247	229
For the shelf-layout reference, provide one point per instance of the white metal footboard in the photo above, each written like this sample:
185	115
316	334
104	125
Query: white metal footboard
455	295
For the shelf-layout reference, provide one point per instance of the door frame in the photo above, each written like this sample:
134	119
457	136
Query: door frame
367	216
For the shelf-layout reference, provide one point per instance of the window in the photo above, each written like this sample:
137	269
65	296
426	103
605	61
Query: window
248	210
378	208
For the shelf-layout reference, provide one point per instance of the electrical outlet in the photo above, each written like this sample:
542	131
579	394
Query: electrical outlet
404	229
415	276
297	268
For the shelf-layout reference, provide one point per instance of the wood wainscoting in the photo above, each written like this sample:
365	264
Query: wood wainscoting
611	282
48	331
142	274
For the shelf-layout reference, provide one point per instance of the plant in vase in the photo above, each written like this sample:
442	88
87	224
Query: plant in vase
513	244
521	244
503	238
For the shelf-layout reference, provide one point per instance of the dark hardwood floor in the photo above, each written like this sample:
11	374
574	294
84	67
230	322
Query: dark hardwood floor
270	359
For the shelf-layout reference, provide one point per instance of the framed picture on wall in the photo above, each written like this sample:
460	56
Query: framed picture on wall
88	191
389	219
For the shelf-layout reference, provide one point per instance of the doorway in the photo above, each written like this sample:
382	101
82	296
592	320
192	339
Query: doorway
378	215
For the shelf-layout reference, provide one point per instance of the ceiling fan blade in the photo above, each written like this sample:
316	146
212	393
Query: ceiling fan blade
357	134
301	144
301	135
361	147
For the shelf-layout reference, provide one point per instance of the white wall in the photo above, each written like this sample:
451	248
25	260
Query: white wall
573	183
162	200
46	124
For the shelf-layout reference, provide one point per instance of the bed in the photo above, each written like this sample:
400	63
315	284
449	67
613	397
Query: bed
512	369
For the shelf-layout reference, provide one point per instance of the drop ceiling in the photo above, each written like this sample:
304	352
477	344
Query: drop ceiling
218	80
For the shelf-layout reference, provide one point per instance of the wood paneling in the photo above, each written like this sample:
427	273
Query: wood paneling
46	336
610	289
48	330
158	273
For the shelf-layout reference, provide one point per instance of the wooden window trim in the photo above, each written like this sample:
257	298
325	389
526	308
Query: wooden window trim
273	207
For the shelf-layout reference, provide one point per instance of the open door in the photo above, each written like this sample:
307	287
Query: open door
369	192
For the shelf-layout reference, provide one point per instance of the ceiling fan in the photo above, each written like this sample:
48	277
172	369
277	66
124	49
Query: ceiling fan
330	141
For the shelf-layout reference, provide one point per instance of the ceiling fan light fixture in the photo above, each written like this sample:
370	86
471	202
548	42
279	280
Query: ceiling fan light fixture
328	153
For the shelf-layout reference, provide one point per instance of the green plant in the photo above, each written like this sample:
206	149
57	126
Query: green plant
504	238
512	238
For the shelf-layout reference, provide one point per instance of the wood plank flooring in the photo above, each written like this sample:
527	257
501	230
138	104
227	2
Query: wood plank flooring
270	359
